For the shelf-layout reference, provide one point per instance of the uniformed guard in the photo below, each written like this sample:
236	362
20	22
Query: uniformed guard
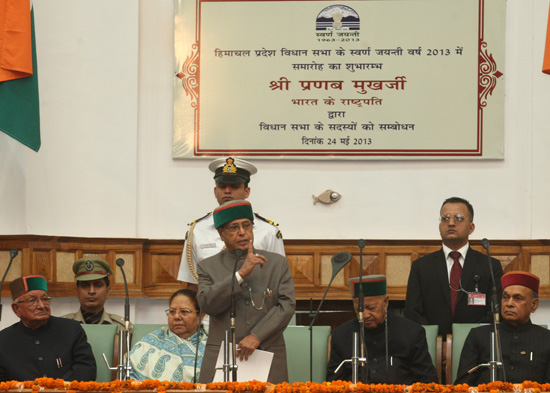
92	288
231	176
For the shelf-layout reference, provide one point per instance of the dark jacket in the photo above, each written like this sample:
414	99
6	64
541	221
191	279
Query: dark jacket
428	299
409	360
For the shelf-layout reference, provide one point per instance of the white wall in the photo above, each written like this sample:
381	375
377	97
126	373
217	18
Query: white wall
105	167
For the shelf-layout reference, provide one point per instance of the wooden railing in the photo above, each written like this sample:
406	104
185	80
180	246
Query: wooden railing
152	265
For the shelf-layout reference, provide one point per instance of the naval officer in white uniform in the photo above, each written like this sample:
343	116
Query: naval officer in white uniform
232	176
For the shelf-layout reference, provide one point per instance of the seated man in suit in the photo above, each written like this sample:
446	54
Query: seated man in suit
452	285
41	345
404	360
525	347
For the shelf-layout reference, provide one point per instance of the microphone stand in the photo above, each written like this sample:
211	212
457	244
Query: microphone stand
496	349
197	348
358	357
124	367
233	316
13	254
363	360
338	262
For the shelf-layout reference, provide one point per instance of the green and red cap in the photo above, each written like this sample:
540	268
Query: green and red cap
232	210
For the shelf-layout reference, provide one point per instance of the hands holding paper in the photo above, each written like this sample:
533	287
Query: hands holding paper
247	346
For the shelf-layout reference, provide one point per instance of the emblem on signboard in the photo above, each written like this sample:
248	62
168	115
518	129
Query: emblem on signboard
337	17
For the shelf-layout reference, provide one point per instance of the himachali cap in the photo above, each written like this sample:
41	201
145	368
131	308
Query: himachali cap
373	285
25	284
521	278
232	210
232	170
91	268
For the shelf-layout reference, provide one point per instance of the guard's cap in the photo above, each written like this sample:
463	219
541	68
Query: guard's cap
373	285
91	268
25	284
232	170
232	210
526	279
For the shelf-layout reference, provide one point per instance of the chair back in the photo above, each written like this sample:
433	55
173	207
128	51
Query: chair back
435	347
140	330
460	332
297	341
431	338
102	340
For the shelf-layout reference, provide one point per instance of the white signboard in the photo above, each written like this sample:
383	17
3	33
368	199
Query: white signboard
388	79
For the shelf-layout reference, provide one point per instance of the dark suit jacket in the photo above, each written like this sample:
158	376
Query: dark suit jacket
428	299
525	353
407	347
58	349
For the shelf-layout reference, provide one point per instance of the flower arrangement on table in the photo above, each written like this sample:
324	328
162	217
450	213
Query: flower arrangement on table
42	384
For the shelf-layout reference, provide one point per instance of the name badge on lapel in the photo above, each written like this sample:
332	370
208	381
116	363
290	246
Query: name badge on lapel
476	299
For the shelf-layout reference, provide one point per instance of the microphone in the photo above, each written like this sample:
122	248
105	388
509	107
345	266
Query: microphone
13	254
120	263
338	262
494	297
124	361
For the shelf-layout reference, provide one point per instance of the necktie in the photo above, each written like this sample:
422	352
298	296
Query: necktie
456	272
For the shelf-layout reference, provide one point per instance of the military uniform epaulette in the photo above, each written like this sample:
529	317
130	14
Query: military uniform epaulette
199	219
279	234
266	220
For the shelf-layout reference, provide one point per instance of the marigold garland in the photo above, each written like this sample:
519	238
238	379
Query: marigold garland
117	386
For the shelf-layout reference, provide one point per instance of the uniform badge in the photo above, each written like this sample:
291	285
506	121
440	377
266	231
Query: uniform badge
89	266
229	166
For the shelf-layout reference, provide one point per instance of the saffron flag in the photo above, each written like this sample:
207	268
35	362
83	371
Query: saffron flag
546	60
19	104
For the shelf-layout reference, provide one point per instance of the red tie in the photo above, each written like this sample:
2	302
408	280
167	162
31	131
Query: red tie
456	272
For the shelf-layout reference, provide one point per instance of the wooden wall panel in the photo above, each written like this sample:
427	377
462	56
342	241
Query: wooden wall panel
151	266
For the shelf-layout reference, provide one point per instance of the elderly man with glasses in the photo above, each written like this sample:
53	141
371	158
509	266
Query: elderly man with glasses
264	293
41	345
452	285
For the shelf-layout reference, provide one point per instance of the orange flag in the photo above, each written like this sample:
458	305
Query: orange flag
546	60
15	40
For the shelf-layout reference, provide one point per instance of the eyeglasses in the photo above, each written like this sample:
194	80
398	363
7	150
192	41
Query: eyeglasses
33	301
184	313
446	218
234	228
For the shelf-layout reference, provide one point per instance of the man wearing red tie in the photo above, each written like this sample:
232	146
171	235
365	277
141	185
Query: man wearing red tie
452	285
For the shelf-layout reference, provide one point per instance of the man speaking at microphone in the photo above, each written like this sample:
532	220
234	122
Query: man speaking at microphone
264	293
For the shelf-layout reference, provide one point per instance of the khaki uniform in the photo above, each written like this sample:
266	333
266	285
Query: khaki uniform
106	318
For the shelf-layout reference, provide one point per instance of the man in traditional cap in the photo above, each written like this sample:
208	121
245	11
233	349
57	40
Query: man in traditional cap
396	348
41	345
92	288
264	293
525	347
232	176
452	285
